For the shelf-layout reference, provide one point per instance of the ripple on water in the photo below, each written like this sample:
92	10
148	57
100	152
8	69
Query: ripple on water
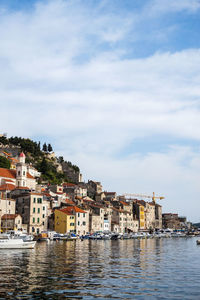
125	269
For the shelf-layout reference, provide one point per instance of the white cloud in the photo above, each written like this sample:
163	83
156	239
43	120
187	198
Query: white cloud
170	6
63	78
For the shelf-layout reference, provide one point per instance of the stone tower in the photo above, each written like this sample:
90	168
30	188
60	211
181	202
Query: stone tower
21	171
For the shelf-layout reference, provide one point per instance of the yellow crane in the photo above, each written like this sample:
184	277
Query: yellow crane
153	197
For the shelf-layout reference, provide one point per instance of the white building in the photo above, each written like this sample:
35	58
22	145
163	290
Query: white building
19	177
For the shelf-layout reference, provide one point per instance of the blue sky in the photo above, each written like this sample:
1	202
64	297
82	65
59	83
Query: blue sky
113	85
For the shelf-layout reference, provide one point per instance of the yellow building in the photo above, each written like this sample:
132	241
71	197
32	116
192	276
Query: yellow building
142	217
139	212
64	221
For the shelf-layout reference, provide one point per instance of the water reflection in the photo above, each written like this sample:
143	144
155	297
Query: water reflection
153	268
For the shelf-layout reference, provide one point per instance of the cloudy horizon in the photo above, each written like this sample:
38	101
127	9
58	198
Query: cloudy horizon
113	86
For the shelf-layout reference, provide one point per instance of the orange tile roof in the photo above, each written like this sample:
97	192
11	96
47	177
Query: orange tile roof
8	180
151	203
9	217
68	201
46	194
14	159
71	209
29	176
8	154
9	173
8	187
124	203
68	184
65	211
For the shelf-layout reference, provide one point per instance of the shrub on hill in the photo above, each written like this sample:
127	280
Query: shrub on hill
4	162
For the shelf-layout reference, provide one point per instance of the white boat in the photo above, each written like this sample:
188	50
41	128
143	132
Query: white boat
198	242
13	243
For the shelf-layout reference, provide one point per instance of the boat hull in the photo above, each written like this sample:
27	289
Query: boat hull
17	245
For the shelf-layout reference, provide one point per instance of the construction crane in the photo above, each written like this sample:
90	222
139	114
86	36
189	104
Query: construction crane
145	196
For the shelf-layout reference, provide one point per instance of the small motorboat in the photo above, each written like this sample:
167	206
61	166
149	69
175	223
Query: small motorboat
198	242
7	242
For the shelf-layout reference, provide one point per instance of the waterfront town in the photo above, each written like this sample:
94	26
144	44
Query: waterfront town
30	204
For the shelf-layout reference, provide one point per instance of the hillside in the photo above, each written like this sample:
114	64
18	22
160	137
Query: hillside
54	169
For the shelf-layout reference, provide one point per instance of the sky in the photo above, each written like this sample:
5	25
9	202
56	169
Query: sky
113	85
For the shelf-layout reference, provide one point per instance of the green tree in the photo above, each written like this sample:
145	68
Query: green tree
44	148
50	148
4	162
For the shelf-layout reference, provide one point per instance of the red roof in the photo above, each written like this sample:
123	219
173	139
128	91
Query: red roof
9	217
46	194
72	209
110	193
68	201
8	180
22	154
9	173
124	203
68	184
65	211
8	187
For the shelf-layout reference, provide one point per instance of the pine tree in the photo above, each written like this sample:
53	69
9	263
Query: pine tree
50	148
44	148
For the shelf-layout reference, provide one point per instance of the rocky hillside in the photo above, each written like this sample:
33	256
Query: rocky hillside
54	169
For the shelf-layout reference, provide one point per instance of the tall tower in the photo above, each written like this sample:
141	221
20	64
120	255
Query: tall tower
21	171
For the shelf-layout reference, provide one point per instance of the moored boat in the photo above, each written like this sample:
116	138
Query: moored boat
13	243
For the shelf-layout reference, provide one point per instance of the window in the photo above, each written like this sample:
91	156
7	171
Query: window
43	223
18	173
24	173
33	220
9	203
43	216
84	223
71	224
39	200
43	208
34	200
38	210
84	215
78	223
33	209
33	229
78	214
38	220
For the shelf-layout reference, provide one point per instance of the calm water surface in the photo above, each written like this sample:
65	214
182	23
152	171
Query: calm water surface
125	269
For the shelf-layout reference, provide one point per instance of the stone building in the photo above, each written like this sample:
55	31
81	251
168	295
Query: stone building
34	211
170	221
11	222
125	221
100	218
71	173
